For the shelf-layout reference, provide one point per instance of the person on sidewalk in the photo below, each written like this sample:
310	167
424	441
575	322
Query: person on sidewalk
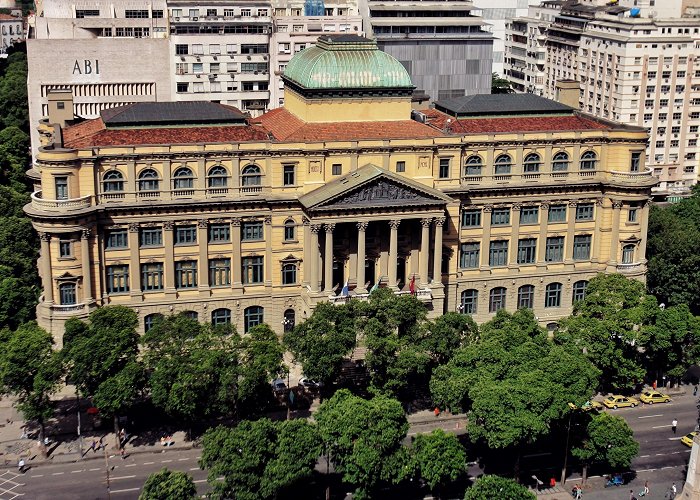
695	390
122	452
632	497
673	491
646	488
674	425
20	466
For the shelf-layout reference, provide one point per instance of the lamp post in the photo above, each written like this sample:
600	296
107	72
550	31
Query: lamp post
566	450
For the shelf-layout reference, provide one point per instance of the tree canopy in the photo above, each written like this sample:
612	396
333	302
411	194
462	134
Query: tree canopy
169	485
490	487
440	458
608	440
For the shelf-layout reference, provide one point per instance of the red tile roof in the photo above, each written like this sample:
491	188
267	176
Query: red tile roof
287	127
511	124
8	17
93	133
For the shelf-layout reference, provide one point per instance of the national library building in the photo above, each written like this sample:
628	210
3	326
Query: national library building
478	204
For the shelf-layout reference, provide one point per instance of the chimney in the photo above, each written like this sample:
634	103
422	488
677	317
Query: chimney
568	93
60	107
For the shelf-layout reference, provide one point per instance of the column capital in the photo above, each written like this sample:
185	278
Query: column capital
544	206
305	220
362	226
426	222
202	223
488	208
517	206
134	227
616	204
573	203
168	225
236	221
268	219
45	236
394	223
316	228
330	227
439	221
85	234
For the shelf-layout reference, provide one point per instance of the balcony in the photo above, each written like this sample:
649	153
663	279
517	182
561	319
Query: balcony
156	195
645	176
559	177
68	309
633	268
44	205
424	295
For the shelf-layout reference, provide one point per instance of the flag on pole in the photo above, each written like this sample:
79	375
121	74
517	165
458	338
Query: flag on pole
376	285
412	285
345	291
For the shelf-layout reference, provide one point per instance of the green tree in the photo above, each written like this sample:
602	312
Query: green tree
13	93
363	438
258	459
169	485
500	85
491	487
30	370
440	458
446	334
609	440
673	343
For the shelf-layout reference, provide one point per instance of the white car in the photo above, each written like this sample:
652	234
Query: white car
309	383
279	385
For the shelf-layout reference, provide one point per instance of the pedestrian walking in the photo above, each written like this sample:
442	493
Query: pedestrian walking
93	446
674	425
646	488
436	411
122	452
695	390
20	466
673	491
632	495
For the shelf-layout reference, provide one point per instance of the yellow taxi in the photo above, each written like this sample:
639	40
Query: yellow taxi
615	401
688	438
587	406
651	397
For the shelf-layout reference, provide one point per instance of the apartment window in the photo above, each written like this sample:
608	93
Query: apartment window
67	294
498	253
582	247
112	181
152	276
194	12
471	218
527	249
151	320
217	177
151	237
497	299
648	116
229	12
221	316
182	87
557	213
117	238
649	103
219	272
186	274
251	176
555	249
694	128
186	235
252	231
83	13
473	165
182	49
61	183
503	165
400	166
584	211
289	273
444	169
628	254
632	215
635	161
660	144
252	270
560	162
183	178
211	12
468	301
675	130
148	180
336	169
500	217
469	256
579	290
289	230
552	295
219	233
588	160
531	163
288	177
252	316
214	68
526	297
246	13
198	87
651	75
136	14
529	215
65	249
117	279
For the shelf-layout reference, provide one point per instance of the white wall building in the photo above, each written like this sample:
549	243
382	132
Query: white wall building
11	31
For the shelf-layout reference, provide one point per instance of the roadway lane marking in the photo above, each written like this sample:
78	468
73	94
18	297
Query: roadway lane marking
75	471
130	465
194	468
37	475
676	452
182	459
537	455
645	456
126	490
165	461
651	416
667	467
646	470
662	426
122	477
200	481
660	454
57	473
675	439
148	463
96	468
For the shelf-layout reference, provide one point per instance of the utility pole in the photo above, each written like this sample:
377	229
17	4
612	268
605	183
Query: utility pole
80	436
104	449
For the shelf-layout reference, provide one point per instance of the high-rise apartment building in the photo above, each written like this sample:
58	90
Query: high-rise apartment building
626	64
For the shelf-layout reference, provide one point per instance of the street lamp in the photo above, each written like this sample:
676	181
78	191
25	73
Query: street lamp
566	450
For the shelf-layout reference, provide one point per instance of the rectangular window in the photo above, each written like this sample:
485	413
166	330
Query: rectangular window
444	172
582	247
219	272
469	256
288	176
61	187
81	14
117	238
471	218
252	270
157	14
182	49
498	253
557	213
198	68
555	249
136	14
151	237
584	211
182	87
152	276
400	166
186	274
219	233
529	215
117	279
67	294
635	161
336	169
500	217
186	235
632	215
527	249
65	249
251	231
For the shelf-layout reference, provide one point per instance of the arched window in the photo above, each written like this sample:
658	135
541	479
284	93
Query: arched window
468	301
289	320
252	316
289	273
531	164
628	254
473	166
66	292
580	290
560	162
183	178
150	320
217	177
503	164
191	314
251	176
526	297
221	316
289	230
588	160
497	299
148	180
552	295
113	181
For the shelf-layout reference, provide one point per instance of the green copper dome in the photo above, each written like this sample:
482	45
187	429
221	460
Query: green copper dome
346	62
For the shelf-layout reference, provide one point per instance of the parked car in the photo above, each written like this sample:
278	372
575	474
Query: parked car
278	385
309	383
651	397
688	438
587	406
615	401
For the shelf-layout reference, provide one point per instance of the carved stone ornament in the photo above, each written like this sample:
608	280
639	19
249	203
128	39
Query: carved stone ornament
617	204
394	224
85	234
573	203
168	225
488	208
426	222
330	227
316	228
544	206
517	206
268	219
202	223
305	221
236	221
380	192
362	226
134	227
45	236
440	221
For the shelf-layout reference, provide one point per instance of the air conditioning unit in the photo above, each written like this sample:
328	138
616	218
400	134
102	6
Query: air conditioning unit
216	58
177	18
195	19
249	58
182	58
199	58
264	58
199	76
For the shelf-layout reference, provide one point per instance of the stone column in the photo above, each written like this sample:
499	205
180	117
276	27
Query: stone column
393	252
328	259
46	277
515	233
313	257
169	264
486	240
134	260
615	235
437	252
361	257
424	250
595	257
542	243
307	260
87	271
571	226
236	252
203	242
267	270
643	224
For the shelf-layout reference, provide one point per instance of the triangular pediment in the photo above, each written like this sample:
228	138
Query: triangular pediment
373	187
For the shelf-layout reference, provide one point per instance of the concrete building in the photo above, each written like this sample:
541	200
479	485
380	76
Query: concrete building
445	46
11	31
628	66
485	202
